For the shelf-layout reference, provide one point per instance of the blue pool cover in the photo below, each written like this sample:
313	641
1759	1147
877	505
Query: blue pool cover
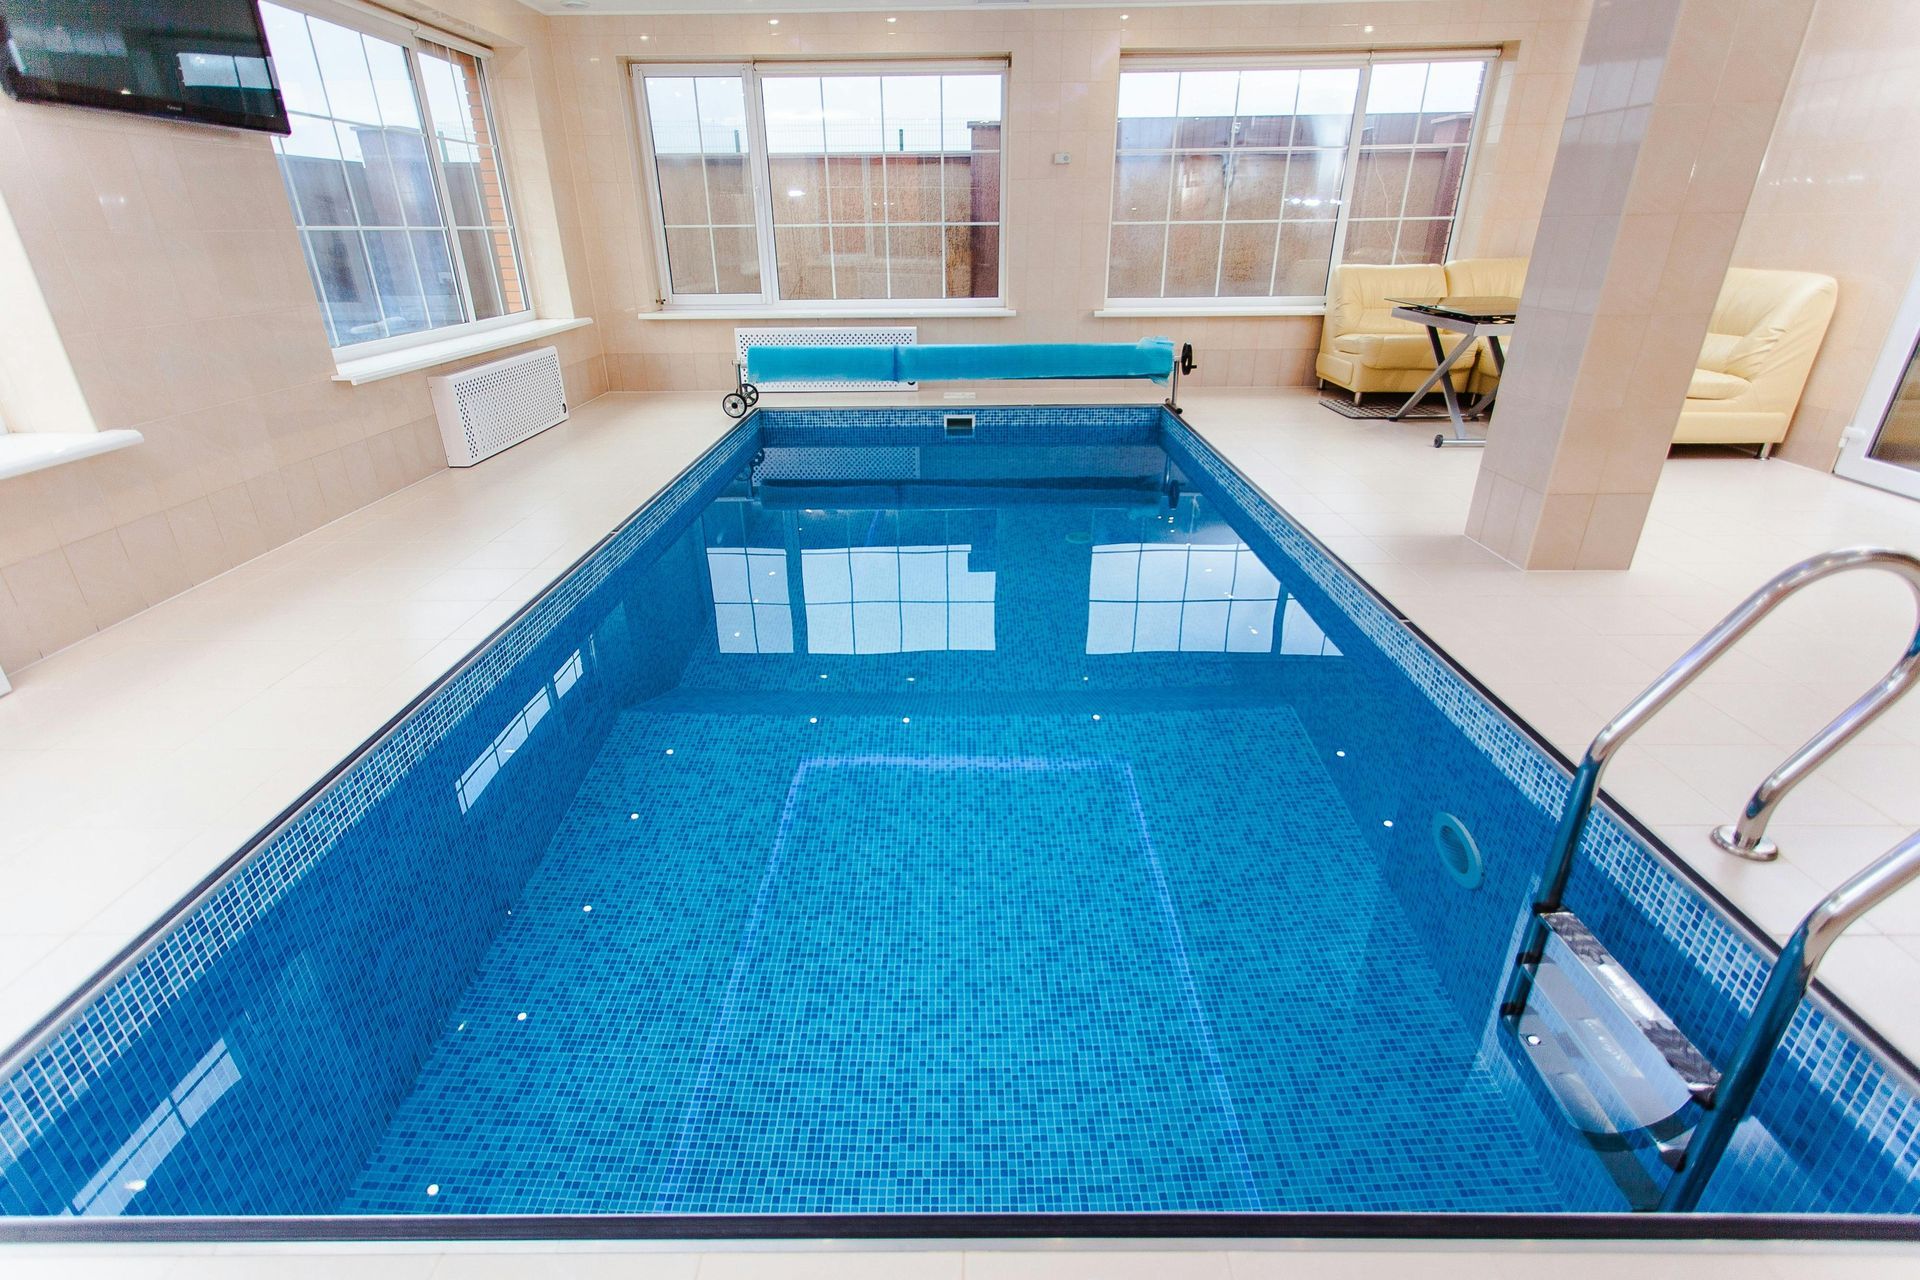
880	823
1150	358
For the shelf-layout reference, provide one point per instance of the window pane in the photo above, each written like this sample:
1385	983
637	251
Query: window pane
1140	187
1435	182
859	261
1423	240
1134	260
402	298
1246	262
973	187
1313	182
1193	259
458	162
683	189
486	255
1256	185
440	286
375	218
799	189
346	286
1206	108
1149	104
1306	254
854	193
1380	184
914	262
910	113
729	190
973	262
736	252
1326	107
913	188
1265	113
1199	185
851	111
1370	241
690	259
310	160
970	113
805	262
698	128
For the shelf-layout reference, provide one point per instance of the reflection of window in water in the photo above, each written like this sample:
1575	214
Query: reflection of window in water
752	612
896	599
1163	597
125	1173
514	736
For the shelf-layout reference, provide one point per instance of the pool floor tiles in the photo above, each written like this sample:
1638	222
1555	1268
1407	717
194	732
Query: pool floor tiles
815	963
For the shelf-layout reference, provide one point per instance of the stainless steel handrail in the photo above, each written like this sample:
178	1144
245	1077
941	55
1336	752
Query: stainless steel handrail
1779	1000
1586	778
1747	838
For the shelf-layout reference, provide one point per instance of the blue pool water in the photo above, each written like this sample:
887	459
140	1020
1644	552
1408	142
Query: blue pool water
883	822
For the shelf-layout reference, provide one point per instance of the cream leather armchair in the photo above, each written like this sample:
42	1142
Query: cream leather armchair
1766	329
1363	348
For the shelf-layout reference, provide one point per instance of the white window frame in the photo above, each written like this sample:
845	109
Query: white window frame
767	299
1300	304
383	25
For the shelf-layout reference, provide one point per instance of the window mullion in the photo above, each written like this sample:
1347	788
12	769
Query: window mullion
443	194
826	192
1351	177
760	174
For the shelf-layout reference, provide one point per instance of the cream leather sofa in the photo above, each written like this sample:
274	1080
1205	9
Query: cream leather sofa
1363	348
1765	331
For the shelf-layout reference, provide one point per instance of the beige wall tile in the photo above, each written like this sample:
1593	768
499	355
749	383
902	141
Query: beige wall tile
174	283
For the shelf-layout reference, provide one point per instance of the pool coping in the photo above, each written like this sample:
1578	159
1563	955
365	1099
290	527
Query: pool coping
925	1226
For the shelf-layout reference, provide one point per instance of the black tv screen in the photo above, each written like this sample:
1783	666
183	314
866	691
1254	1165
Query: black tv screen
183	59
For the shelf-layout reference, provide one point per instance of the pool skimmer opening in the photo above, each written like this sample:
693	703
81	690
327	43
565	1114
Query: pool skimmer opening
1459	852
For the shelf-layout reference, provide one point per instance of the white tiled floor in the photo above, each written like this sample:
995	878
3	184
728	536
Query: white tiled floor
134	762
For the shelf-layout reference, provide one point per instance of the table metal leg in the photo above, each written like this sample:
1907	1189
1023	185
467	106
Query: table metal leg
1440	364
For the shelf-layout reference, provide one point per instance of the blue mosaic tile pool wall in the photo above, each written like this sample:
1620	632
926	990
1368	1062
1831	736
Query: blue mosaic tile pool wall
307	989
1841	1133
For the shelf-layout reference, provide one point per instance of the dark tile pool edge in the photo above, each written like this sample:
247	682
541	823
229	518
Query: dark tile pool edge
36	1037
920	1227
1851	1021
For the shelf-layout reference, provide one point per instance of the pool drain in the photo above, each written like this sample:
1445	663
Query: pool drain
1459	853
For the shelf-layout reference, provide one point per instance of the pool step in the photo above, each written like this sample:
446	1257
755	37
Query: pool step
1620	1071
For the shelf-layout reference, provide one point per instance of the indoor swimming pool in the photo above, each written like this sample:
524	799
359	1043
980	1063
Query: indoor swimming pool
913	822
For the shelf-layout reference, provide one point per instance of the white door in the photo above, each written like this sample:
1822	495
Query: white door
1882	447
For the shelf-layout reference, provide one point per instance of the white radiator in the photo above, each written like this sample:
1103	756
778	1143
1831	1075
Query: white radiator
495	406
892	336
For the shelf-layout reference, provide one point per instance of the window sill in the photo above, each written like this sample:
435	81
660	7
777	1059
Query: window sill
1232	313
771	314
27	451
391	364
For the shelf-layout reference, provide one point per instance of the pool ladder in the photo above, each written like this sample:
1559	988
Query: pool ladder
1556	949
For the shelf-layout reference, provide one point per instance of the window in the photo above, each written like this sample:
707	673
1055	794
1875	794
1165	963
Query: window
1247	183
395	180
833	189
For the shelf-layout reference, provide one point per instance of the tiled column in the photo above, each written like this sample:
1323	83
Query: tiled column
1671	113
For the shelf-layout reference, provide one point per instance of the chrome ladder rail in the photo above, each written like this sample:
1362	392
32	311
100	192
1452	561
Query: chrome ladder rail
1747	837
1773	1013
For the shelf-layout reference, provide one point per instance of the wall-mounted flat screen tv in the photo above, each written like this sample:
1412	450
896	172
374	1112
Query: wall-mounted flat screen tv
202	60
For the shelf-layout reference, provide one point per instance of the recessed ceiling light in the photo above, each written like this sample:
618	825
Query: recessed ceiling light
1367	29
646	37
773	22
893	19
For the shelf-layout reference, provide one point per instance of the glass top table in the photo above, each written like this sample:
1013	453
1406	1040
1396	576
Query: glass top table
1473	317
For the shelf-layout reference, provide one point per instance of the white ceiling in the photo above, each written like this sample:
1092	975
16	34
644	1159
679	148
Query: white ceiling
590	8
